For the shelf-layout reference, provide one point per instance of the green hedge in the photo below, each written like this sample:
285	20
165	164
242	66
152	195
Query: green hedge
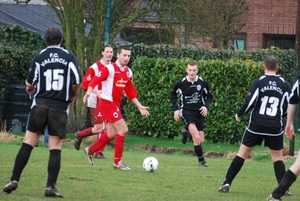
229	80
154	78
17	48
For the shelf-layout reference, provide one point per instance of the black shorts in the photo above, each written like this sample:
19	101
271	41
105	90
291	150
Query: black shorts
40	116
273	142
193	116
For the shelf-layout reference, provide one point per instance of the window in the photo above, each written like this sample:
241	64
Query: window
280	41
239	44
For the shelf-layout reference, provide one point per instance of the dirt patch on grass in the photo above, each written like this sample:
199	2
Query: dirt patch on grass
208	154
6	137
163	150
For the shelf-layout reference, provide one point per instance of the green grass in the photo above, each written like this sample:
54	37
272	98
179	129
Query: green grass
177	178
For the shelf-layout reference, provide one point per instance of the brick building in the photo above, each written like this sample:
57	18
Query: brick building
270	23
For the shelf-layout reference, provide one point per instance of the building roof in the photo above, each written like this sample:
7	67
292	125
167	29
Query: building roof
35	16
32	16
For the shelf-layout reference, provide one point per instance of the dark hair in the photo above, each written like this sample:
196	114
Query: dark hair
123	48
271	63
192	63
105	46
53	36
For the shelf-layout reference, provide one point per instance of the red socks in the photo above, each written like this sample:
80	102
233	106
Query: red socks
86	132
99	144
102	148
119	147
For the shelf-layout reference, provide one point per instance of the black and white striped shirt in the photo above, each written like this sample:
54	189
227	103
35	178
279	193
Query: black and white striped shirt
53	71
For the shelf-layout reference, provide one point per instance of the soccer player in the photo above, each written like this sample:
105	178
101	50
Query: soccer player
267	100
54	78
116	79
93	100
195	97
293	172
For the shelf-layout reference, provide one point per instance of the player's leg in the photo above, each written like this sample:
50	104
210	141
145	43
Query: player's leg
97	121
235	167
99	153
24	153
197	141
21	160
57	127
287	181
248	142
120	128
54	162
275	144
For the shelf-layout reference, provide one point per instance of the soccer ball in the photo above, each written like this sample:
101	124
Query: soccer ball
150	164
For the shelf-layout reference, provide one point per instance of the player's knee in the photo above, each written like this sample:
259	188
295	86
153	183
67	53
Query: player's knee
98	128
197	139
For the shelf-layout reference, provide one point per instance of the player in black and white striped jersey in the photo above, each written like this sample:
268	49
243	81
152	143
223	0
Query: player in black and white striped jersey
267	103
54	78
293	172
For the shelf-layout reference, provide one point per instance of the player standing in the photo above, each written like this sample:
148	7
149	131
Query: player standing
293	172
267	100
54	78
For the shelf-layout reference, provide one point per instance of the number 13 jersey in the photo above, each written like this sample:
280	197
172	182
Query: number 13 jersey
267	99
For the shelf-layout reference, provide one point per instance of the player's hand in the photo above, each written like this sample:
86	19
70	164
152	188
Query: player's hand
144	111
203	111
30	89
237	118
289	131
177	115
85	97
73	101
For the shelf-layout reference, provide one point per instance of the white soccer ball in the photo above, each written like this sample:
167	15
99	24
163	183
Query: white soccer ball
150	164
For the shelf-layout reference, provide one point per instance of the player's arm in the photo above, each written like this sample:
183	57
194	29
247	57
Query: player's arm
208	95
173	98
143	109
30	89
208	99
293	101
250	100
87	78
289	128
75	90
97	79
131	94
31	78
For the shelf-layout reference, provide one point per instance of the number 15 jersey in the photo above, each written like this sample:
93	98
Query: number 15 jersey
54	70
267	99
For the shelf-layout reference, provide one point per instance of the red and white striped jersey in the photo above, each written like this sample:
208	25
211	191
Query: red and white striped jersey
115	81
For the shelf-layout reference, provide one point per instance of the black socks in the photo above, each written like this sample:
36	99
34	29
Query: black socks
53	167
21	161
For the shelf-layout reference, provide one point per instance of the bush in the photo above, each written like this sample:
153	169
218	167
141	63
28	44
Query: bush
229	80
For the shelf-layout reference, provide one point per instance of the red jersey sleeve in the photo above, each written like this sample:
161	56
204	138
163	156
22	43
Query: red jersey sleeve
102	75
87	78
130	90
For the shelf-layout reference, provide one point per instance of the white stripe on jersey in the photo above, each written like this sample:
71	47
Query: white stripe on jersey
108	84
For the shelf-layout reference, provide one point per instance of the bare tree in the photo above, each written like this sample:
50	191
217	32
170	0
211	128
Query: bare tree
214	20
75	16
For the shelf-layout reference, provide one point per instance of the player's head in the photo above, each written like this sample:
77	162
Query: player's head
53	36
270	63
192	70
123	55
107	53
